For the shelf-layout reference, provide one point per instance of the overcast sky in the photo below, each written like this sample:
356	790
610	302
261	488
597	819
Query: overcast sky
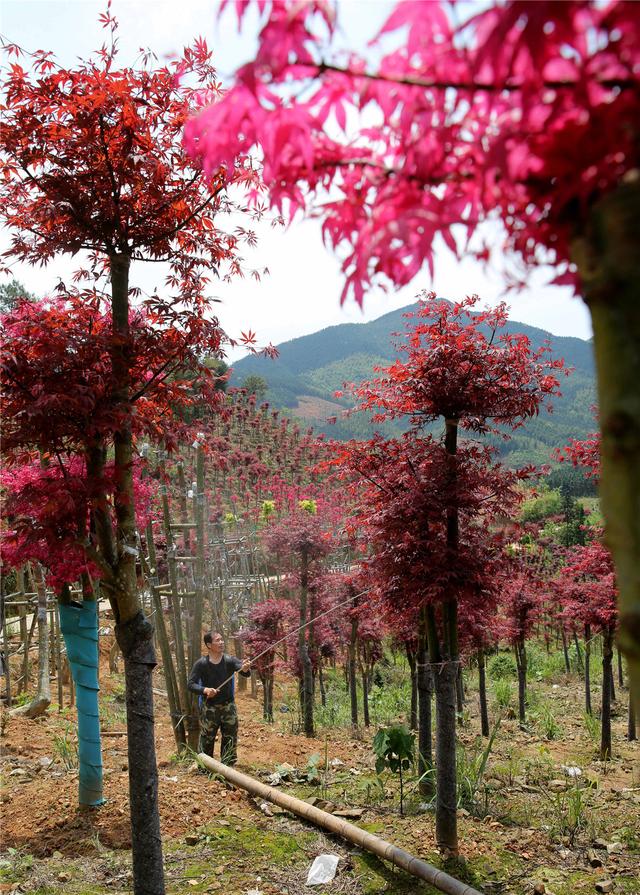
301	294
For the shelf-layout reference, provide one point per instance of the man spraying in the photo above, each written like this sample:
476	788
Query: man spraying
212	678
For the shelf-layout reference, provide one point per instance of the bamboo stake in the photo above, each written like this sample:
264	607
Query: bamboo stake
58	654
175	608
374	844
5	640
23	628
169	671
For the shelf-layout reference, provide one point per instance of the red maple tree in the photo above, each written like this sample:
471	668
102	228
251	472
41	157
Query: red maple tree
93	161
302	539
424	500
587	585
268	623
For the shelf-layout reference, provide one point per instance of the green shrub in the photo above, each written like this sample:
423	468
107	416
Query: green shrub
547	503
552	666
502	666
393	748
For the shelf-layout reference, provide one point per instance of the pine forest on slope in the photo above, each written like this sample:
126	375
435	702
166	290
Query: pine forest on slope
303	379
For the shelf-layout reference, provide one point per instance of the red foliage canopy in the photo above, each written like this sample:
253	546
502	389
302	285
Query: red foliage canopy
587	586
523	112
94	160
459	366
404	492
56	393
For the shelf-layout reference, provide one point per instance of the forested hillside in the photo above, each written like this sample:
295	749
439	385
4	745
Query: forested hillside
311	368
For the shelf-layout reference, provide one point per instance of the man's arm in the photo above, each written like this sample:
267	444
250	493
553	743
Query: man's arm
194	683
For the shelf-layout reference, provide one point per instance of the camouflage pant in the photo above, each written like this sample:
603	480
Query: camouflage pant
223	718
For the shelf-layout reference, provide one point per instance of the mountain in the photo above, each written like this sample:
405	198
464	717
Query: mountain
311	368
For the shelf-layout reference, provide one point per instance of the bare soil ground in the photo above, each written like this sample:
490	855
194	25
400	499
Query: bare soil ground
527	826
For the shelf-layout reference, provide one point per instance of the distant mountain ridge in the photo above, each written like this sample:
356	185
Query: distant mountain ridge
311	368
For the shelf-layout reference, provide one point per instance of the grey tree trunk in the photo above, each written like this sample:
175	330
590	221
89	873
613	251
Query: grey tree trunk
482	691
587	669
306	689
353	680
607	659
424	686
521	663
133	632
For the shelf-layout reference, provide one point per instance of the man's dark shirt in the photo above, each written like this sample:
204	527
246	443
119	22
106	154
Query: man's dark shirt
206	673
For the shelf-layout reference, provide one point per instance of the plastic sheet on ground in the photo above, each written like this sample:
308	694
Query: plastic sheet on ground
322	870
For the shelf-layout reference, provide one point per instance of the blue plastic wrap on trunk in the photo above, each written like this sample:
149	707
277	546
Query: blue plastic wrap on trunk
79	626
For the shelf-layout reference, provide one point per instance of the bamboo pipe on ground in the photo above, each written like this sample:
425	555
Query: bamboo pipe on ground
350	832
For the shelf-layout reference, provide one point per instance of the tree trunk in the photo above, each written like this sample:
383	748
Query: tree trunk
482	690
620	672
24	638
195	647
186	707
578	651
607	254
133	632
306	690
365	698
444	664
631	722
424	685
413	710
5	666
177	721
521	663
565	652
323	692
446	787
607	658
459	695
613	685
444	678
79	626
587	669
353	680
267	695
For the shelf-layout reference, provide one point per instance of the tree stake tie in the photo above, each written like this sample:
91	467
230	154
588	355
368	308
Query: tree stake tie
296	630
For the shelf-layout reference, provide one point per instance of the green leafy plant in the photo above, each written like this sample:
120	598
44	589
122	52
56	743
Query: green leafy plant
268	509
16	866
511	767
569	814
502	666
312	770
592	725
394	749
471	769
547	723
504	693
65	747
539	769
308	506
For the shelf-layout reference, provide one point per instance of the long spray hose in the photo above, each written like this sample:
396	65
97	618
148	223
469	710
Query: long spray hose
272	646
